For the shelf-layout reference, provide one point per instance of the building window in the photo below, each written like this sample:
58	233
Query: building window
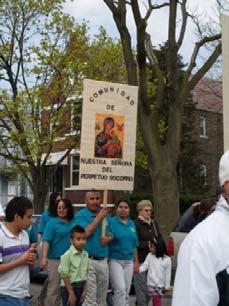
74	170
203	174
203	132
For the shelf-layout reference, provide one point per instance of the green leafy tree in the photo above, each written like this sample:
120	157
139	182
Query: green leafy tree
44	56
34	36
106	61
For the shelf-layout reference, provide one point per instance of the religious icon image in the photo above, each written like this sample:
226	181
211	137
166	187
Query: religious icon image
109	136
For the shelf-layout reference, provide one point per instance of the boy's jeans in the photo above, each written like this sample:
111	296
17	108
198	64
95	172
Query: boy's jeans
64	294
6	300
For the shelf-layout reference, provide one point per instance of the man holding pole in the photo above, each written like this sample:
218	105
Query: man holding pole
91	219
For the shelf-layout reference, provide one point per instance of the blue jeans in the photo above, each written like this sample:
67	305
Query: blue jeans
6	300
64	295
110	299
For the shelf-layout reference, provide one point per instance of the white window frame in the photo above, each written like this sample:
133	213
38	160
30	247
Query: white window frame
73	171
203	173
203	129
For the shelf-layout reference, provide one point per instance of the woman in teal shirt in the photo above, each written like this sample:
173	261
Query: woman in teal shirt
122	253
56	241
44	219
49	213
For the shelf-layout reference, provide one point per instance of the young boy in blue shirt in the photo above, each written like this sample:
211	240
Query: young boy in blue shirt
73	269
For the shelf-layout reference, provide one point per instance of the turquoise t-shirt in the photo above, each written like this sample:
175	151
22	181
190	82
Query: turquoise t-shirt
93	246
32	233
57	234
125	239
45	217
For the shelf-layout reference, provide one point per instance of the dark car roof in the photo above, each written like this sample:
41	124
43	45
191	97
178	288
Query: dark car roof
186	221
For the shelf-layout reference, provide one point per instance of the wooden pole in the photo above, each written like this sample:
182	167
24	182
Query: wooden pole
105	198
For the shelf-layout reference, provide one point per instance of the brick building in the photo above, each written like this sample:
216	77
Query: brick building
198	167
207	137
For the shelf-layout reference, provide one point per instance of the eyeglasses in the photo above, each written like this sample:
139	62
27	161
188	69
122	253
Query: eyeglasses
147	210
95	198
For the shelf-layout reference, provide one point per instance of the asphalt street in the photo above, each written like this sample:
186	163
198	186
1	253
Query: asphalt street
35	289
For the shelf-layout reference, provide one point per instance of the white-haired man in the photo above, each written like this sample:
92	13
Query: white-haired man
202	277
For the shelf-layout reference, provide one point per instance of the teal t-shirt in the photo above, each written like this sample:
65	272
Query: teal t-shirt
32	233
45	218
93	246
125	239
57	234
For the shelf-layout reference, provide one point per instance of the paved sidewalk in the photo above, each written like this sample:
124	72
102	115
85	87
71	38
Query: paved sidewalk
35	289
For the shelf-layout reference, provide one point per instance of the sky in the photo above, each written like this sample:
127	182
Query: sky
97	14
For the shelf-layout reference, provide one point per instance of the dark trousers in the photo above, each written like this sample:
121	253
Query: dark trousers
109	299
142	296
64	295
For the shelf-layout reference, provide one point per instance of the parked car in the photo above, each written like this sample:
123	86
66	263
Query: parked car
196	213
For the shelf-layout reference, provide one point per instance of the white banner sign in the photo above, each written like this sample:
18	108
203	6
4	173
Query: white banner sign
108	136
225	52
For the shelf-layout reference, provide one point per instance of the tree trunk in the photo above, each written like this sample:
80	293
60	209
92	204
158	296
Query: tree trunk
40	191
39	198
166	196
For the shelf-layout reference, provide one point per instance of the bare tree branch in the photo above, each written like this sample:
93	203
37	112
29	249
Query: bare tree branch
155	66
119	15
158	6
149	11
112	7
196	50
184	24
139	21
172	45
205	67
223	5
141	54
